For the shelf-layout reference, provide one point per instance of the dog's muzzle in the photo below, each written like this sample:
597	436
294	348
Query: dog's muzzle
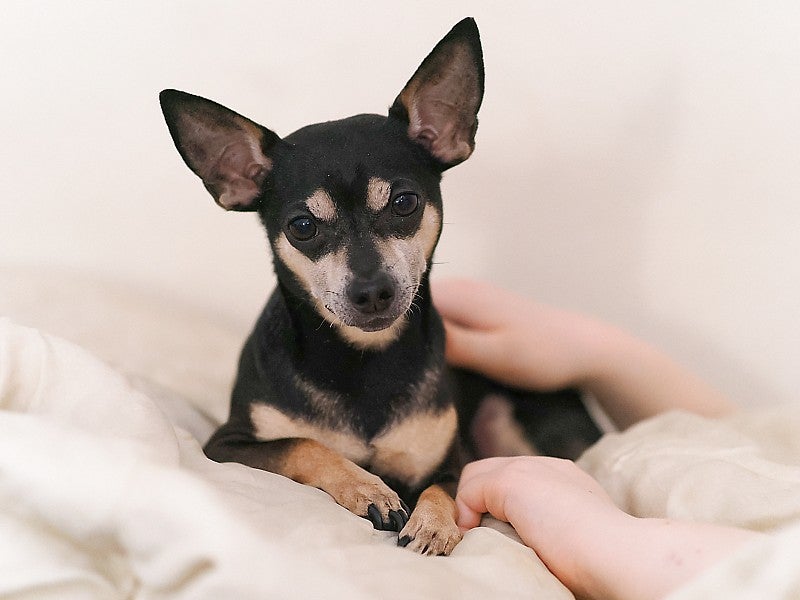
372	303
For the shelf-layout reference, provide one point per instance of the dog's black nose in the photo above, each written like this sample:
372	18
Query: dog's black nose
371	295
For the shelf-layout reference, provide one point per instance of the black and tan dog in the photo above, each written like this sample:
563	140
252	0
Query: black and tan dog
342	384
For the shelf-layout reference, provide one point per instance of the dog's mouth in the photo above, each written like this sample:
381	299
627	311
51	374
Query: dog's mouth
379	304
351	314
364	322
376	324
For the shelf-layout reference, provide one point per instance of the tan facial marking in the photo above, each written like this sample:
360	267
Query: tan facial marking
409	256
325	281
319	278
321	205
371	340
378	193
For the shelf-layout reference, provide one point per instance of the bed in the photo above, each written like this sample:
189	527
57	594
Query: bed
106	395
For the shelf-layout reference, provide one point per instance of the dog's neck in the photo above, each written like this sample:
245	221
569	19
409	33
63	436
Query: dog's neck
372	383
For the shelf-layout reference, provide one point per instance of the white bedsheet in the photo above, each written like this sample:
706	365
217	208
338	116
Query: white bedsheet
741	471
105	494
101	496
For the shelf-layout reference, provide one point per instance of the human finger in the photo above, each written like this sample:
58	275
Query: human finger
467	517
469	348
473	304
478	493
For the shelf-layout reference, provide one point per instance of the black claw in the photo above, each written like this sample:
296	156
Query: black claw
375	516
398	520
405	508
404	541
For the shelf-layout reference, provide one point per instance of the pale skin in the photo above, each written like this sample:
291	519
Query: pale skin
593	547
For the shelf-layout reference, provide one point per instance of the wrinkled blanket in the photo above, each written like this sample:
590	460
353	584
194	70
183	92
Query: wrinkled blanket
105	493
742	471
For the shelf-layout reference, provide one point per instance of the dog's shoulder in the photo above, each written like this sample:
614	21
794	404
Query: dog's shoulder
265	359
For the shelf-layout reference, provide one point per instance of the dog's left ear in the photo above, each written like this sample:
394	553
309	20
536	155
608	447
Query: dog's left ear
229	152
440	102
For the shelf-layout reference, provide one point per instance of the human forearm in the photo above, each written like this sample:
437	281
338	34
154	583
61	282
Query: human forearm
522	343
649	558
632	380
594	548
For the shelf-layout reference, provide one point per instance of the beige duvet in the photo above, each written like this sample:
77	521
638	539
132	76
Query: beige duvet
103	495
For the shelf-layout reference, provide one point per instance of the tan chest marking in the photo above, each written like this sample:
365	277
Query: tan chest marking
409	450
271	424
414	447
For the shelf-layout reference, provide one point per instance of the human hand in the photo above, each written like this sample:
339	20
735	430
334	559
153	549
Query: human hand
524	344
555	507
594	548
514	340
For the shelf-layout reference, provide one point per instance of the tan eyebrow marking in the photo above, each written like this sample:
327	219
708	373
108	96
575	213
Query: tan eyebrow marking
321	205
378	193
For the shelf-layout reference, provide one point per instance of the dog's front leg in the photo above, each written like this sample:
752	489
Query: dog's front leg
432	527
311	463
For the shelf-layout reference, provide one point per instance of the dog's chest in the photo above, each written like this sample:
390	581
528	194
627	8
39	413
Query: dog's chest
409	449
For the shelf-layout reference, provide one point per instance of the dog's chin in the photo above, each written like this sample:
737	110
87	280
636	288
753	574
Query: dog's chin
375	324
368	323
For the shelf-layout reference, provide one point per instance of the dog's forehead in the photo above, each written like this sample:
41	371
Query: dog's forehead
323	204
350	161
351	138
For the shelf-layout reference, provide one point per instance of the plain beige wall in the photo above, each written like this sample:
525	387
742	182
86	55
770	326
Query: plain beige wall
636	160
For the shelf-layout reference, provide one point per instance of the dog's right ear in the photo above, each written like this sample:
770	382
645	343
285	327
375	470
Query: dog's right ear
229	152
440	102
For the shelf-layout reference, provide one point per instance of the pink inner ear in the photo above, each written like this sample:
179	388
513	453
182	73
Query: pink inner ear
438	126
425	135
225	151
442	103
238	175
237	194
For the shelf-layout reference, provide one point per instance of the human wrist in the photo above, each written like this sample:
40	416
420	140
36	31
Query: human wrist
651	557
576	550
599	350
593	569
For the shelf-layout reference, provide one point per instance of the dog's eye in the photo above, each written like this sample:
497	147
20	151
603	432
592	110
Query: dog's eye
302	228
405	204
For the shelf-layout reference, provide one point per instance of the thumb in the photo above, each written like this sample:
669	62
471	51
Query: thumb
467	517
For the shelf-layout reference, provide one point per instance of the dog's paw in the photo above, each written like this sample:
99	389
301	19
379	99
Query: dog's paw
369	497
396	520
430	532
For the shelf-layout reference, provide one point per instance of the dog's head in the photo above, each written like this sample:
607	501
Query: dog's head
352	207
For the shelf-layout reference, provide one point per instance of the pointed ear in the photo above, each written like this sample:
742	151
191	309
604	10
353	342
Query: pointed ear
230	153
440	102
